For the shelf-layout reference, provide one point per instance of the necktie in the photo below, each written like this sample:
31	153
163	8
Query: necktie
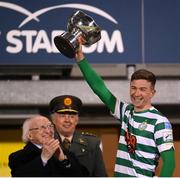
66	144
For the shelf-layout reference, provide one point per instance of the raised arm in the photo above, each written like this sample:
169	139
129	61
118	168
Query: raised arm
95	81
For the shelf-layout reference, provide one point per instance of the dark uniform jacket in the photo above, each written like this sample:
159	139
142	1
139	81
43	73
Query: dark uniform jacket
86	148
27	163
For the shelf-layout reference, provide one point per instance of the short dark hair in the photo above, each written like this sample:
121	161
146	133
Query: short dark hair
144	74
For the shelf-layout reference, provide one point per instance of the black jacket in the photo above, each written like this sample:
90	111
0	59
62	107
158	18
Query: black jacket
27	163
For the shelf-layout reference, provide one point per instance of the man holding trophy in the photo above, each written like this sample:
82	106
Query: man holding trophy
145	135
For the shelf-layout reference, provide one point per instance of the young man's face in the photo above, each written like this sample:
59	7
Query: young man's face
65	123
141	92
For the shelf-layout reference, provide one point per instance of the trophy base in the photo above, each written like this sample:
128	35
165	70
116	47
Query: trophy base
64	46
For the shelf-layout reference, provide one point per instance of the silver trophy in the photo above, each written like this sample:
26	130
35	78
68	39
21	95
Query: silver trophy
79	25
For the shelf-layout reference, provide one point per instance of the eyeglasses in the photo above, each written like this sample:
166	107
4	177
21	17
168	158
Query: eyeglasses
43	127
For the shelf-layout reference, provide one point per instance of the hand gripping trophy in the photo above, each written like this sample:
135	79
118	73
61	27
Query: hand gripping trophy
79	25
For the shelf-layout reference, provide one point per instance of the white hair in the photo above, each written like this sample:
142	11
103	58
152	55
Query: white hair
26	126
25	129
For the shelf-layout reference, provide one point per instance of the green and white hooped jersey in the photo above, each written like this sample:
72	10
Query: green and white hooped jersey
143	136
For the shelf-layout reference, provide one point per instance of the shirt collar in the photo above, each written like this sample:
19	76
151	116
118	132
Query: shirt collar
69	138
39	146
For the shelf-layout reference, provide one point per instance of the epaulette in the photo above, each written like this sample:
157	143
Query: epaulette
88	134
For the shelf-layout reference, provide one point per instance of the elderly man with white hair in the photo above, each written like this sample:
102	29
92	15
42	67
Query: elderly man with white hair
42	154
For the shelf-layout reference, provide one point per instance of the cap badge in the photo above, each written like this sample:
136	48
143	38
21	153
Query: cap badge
67	101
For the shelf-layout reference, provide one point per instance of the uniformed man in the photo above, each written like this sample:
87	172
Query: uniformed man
65	111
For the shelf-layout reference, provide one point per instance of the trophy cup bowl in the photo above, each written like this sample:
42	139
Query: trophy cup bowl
79	25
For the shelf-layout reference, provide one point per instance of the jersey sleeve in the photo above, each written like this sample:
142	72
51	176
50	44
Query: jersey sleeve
120	109
97	84
164	134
